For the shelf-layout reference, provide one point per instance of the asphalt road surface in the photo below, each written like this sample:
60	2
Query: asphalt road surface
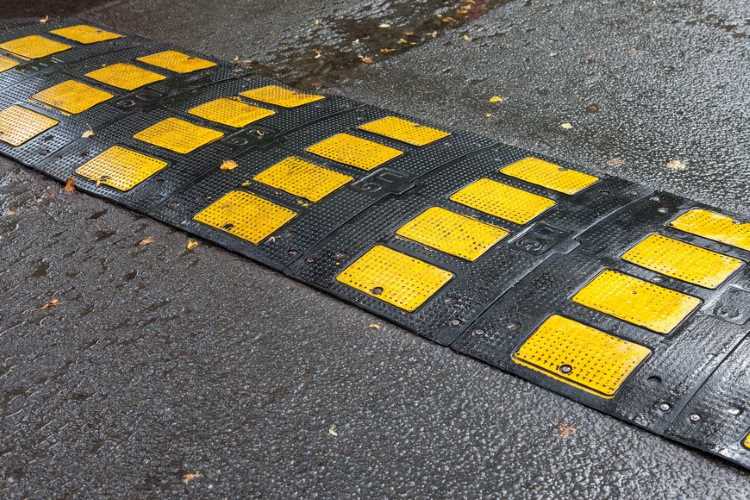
150	371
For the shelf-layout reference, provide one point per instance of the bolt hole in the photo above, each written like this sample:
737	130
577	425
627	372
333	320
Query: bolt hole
228	226
566	369
654	379
377	290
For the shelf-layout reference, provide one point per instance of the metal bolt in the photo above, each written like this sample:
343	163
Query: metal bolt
566	368
665	407
695	418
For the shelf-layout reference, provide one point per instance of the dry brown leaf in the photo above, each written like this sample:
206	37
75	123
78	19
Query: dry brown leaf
228	165
191	245
70	185
318	54
375	326
44	20
566	430
146	241
87	133
366	59
52	303
191	476
387	50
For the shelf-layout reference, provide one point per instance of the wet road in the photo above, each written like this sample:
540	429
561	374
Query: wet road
145	370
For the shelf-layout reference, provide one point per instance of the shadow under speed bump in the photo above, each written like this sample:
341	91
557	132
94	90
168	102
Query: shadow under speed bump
630	301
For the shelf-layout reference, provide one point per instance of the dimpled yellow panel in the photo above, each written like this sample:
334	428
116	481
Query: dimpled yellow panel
125	76
354	151
549	175
178	62
581	356
245	216
281	96
72	97
746	441
395	278
7	63
85	34
637	301
501	200
178	135
406	131
452	233
18	125
33	46
302	178
230	112
714	226
120	168
683	261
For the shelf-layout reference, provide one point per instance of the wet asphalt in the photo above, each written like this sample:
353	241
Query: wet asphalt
151	371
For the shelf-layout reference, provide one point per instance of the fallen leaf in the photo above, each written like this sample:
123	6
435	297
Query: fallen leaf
566	125
146	241
191	245
191	476
87	133
332	430
676	165
566	430
592	108
496	99
44	20
318	54
70	185
467	38
387	50
366	59
245	184
54	302
375	326
228	165
615	162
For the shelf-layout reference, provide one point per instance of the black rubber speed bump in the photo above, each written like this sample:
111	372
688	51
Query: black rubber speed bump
633	302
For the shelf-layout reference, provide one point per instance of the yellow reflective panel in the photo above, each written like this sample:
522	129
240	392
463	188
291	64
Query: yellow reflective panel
714	226
245	216
85	34
7	63
683	261
178	135
177	61
580	356
394	277
637	301
125	76
452	233
404	130
18	125
302	178
354	151
746	441
501	200
120	168
33	46
549	175
281	96
72	97
230	112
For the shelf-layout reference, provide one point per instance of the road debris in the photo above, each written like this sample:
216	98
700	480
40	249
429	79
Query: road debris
496	99
191	476
70	185
332	430
52	303
191	245
566	430
566	125
146	241
676	165
228	165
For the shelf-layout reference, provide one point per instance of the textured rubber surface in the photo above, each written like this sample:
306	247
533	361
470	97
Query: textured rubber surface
558	229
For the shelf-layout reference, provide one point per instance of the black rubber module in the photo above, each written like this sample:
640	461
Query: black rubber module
630	301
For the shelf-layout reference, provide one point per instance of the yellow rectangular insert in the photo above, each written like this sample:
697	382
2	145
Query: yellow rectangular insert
452	233
178	135
395	278
125	76
230	112
7	63
177	61
120	168
501	200
637	301
33	46
85	34
683	261
406	131
245	216
580	356
354	151
280	96
19	125
302	178
714	226
549	175
72	97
